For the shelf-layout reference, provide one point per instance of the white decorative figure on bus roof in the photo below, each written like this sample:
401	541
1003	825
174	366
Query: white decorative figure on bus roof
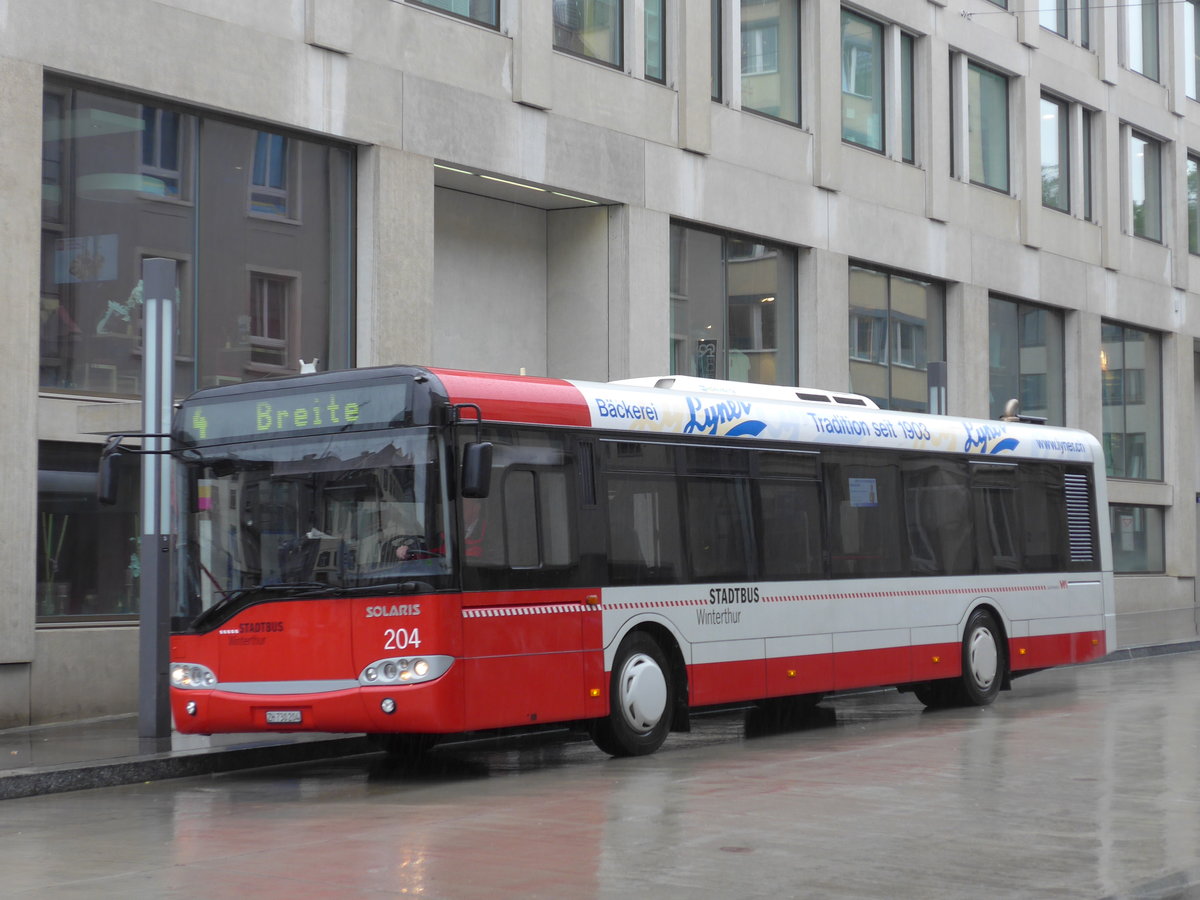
309	368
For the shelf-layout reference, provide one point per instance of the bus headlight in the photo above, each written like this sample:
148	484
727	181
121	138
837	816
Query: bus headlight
405	670
188	676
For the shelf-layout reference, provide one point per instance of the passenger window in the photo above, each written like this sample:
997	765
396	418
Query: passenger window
937	513
717	516
864	516
643	530
788	526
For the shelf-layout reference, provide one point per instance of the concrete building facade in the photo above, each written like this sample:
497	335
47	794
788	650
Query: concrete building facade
788	191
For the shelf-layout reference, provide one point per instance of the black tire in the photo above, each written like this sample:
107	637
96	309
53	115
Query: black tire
984	665
984	661
641	699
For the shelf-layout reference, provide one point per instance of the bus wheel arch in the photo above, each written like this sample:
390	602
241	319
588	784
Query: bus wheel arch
985	664
644	690
984	656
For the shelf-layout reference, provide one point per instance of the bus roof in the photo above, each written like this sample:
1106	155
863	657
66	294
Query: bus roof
639	408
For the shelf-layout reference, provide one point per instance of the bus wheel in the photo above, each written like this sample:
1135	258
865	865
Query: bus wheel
983	659
639	700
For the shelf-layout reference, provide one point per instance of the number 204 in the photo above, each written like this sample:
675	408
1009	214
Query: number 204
401	638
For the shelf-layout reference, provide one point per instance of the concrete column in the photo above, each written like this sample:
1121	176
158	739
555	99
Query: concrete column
1105	40
533	53
967	382
577	293
1179	450
1081	360
20	163
395	257
1175	217
823	29
1026	176
822	321
695	76
932	90
639	299
1111	185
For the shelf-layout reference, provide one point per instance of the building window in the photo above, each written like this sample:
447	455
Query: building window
1085	23
1025	359
589	28
715	48
87	554
897	327
907	106
1086	142
1145	186
1137	538
486	12
733	307
1131	379
771	58
1056	172
166	145
862	81
1052	15
1193	203
656	40
271	176
100	221
1141	37
987	127
269	321
1191	46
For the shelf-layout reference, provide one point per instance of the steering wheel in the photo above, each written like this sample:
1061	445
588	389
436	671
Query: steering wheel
413	546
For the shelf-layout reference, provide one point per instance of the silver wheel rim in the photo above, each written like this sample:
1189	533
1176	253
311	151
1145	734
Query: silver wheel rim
983	658
642	692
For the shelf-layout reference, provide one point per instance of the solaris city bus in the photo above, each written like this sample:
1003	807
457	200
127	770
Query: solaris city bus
414	552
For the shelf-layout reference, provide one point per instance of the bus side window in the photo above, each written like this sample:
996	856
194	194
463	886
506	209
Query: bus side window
997	526
788	526
716	521
643	529
865	524
1044	504
937	514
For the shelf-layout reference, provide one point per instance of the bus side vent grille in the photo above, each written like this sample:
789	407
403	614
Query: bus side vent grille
1079	519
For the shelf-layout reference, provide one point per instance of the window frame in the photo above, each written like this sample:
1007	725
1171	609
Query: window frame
617	31
433	6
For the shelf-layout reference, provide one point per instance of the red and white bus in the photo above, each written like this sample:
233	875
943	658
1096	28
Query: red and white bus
414	552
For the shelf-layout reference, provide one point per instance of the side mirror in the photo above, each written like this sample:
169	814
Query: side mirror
477	470
109	483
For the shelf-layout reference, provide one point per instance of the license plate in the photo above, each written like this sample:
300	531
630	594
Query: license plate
283	717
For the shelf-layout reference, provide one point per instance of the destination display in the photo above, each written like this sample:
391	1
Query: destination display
326	408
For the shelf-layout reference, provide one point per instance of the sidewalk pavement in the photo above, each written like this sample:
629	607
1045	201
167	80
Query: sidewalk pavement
71	756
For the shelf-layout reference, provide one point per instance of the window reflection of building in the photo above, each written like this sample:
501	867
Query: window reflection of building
770	67
119	185
1130	371
733	305
589	28
87	554
862	81
1025	359
896	329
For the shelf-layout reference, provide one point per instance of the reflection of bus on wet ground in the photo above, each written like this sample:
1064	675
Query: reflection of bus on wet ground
415	552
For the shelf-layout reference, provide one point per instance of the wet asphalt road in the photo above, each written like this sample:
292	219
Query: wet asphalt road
1081	782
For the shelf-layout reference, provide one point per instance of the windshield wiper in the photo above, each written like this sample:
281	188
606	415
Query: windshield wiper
236	597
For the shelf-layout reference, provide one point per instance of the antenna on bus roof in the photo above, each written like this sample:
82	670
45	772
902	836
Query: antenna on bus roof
1012	413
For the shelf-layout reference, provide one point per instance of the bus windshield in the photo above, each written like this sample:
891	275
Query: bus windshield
321	516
